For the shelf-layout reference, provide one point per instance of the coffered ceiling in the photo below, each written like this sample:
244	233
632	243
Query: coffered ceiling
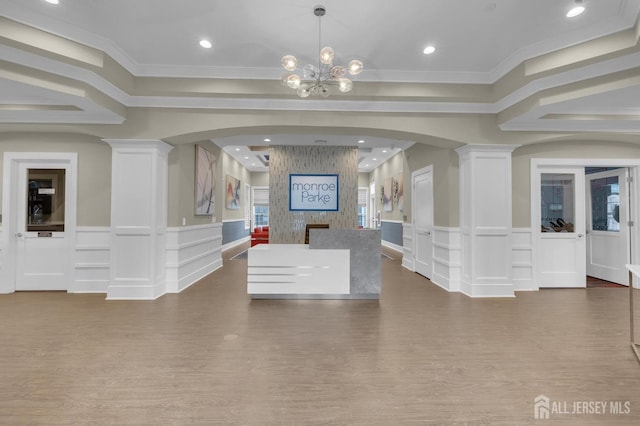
523	63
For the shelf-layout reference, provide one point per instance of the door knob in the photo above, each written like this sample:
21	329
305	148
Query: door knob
19	234
580	235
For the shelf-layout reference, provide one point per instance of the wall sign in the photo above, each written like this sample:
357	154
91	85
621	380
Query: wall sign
308	192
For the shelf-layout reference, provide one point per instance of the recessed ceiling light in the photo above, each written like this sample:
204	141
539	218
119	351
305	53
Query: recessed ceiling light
375	159
237	149
53	1
576	10
361	141
429	50
246	158
206	44
267	140
384	151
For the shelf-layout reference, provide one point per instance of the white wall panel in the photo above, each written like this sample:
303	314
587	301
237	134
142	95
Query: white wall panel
522	259
492	202
407	246
138	218
446	258
485	215
193	252
489	261
92	264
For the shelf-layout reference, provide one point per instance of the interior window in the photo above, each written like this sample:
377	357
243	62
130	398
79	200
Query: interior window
45	200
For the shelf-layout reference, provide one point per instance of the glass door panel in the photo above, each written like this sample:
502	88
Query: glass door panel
605	204
557	202
45	200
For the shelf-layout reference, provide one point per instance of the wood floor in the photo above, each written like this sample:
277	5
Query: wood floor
212	356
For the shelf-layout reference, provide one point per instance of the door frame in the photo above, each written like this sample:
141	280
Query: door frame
633	165
10	209
427	169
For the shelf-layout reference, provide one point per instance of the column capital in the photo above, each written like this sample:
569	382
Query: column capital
139	143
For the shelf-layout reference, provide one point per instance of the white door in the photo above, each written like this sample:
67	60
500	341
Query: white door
41	211
423	220
372	206
559	225
608	247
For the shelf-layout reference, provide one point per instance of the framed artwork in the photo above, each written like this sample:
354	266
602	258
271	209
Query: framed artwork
205	182
313	192
398	191
387	195
232	192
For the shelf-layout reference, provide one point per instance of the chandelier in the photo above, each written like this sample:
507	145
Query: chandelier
316	80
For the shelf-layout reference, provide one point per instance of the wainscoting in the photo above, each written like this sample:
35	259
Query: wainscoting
193	252
522	259
234	233
447	258
392	235
447	264
91	271
408	247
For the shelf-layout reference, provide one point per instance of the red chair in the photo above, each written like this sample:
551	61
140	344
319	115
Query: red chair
260	235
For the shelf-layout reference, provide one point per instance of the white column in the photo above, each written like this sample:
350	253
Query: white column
139	185
485	220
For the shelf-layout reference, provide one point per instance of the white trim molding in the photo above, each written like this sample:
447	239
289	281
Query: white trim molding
408	260
447	253
522	260
91	271
192	252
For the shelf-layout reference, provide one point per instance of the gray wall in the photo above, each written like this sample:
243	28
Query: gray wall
259	178
181	198
446	198
234	169
94	169
392	168
288	227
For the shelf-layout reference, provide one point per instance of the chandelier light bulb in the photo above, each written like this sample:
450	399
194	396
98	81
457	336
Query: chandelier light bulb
326	55
289	62
324	91
310	72
293	81
345	85
303	91
338	72
355	67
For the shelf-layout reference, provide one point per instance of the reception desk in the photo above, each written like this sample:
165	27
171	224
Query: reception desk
336	264
288	270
